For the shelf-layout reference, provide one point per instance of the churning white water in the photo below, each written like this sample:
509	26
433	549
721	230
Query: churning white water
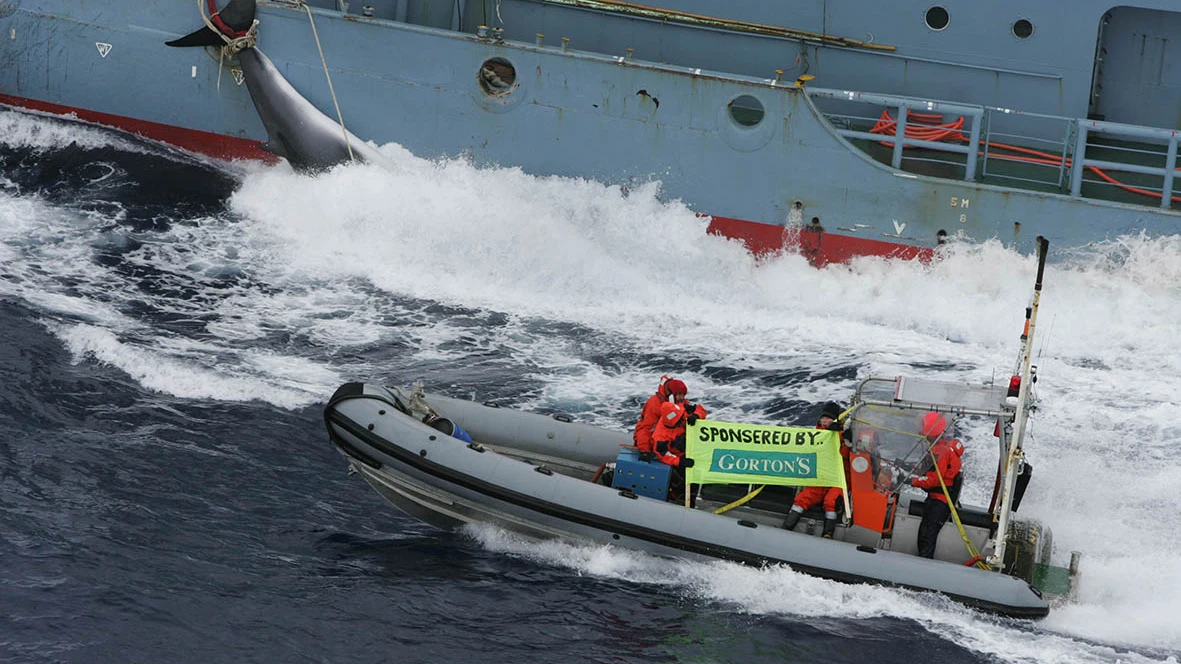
331	262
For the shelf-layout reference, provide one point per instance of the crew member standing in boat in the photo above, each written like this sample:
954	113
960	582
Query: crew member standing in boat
946	453
813	495
670	390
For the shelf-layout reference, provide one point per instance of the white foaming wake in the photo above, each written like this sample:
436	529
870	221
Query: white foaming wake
614	260
780	591
29	129
164	370
620	262
642	273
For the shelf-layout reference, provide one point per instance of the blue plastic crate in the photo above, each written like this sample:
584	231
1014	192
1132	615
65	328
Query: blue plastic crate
644	478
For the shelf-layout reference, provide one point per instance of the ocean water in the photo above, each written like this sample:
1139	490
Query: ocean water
171	328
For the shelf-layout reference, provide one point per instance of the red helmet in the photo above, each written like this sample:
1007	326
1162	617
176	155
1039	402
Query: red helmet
675	386
933	425
671	414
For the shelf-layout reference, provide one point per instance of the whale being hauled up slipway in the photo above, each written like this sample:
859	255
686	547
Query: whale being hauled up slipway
296	130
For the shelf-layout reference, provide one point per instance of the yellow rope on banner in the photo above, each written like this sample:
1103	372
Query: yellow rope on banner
741	501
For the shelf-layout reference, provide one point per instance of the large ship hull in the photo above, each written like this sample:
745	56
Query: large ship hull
790	180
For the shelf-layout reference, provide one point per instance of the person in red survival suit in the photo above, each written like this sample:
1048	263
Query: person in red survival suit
946	453
813	495
669	390
668	441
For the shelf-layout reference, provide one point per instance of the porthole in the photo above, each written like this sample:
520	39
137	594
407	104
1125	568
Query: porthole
1022	29
937	18
497	77
746	111
742	123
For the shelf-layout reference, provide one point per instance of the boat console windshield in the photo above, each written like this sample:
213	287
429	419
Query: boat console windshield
884	429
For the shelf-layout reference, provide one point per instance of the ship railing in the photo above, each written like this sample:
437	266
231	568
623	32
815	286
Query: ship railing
1019	138
850	125
1148	147
1047	152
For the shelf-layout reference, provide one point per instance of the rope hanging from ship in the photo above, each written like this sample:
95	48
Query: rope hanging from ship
930	127
235	40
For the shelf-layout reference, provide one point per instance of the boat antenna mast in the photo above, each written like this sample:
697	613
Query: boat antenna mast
1015	456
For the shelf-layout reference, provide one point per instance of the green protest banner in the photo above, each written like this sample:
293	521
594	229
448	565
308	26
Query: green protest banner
730	453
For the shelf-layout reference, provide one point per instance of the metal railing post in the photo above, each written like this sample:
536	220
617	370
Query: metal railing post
1065	148
987	140
899	137
1166	199
1078	159
973	142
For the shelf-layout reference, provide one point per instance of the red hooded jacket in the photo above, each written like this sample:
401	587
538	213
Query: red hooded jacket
668	440
947	454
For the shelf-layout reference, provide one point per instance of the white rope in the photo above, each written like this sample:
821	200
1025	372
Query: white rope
324	63
235	45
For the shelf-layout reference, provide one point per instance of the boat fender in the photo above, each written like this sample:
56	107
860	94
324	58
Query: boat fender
1022	482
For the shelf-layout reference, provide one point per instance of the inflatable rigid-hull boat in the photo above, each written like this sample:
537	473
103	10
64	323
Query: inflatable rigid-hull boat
536	475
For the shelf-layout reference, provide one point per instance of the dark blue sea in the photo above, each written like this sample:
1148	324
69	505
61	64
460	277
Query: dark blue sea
170	328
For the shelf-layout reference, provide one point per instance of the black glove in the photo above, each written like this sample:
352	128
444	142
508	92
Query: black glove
686	462
834	426
692	419
647	456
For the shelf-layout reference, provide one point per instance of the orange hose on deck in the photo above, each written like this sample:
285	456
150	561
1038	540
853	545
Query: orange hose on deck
929	127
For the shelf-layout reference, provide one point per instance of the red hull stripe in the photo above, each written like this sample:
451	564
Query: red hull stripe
203	142
820	247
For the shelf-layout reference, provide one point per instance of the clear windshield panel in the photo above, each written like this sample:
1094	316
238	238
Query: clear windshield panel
923	393
891	436
956	395
877	389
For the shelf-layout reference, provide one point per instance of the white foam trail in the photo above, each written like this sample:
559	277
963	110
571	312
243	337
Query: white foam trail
160	371
30	129
328	262
780	591
43	132
625	265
